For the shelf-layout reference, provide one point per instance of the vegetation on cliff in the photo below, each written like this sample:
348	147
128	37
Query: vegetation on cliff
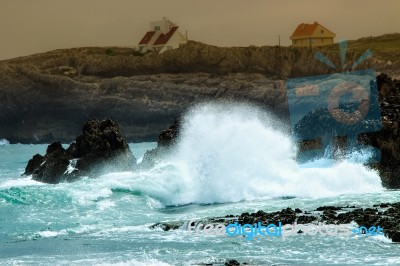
46	97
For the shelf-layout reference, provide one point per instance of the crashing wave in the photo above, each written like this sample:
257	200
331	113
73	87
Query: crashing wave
4	142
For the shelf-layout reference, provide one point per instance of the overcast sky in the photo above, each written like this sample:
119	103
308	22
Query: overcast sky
28	27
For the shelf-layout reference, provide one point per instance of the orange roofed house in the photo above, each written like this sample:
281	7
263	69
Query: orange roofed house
164	35
312	35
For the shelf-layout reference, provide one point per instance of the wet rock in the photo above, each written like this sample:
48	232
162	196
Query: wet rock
297	210
169	136
33	164
330	208
167	226
100	148
383	135
386	219
387	140
394	234
329	216
54	167
232	263
165	142
305	219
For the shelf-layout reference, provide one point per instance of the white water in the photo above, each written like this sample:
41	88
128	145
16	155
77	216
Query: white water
4	142
225	154
234	153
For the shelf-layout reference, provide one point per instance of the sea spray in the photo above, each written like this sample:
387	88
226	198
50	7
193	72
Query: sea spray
4	142
230	153
238	152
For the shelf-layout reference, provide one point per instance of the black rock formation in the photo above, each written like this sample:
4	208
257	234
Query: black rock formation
33	164
100	148
386	140
169	135
166	140
385	215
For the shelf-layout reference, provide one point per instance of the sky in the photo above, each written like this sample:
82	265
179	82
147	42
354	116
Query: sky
29	27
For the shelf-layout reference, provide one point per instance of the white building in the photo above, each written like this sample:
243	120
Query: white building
163	36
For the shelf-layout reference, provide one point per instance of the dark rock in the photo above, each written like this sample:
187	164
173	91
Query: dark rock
232	263
166	140
305	219
363	217
55	166
55	148
331	208
287	216
167	226
387	140
33	164
169	136
100	148
383	135
329	216
382	205
394	235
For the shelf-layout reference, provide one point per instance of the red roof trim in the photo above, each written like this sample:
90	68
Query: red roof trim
147	37
305	30
164	38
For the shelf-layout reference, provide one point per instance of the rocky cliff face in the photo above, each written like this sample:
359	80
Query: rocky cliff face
45	97
43	108
388	139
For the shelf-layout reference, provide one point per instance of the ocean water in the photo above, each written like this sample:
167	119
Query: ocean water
228	160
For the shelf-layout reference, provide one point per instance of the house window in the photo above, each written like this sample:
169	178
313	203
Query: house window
322	31
322	39
156	27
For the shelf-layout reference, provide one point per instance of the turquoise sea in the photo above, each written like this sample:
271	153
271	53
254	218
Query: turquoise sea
226	162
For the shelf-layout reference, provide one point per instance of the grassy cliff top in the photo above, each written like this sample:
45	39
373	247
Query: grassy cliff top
272	61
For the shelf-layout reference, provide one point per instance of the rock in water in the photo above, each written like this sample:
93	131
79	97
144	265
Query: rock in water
54	166
166	140
33	164
169	136
100	148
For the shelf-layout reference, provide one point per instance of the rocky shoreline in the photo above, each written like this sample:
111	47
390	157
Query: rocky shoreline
101	145
385	215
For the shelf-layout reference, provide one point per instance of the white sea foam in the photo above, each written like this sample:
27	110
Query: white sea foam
20	182
231	153
4	142
150	262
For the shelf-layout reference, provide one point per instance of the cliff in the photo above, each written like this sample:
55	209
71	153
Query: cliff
46	97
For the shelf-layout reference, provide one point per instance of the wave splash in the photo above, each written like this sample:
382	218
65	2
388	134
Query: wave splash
230	153
4	142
